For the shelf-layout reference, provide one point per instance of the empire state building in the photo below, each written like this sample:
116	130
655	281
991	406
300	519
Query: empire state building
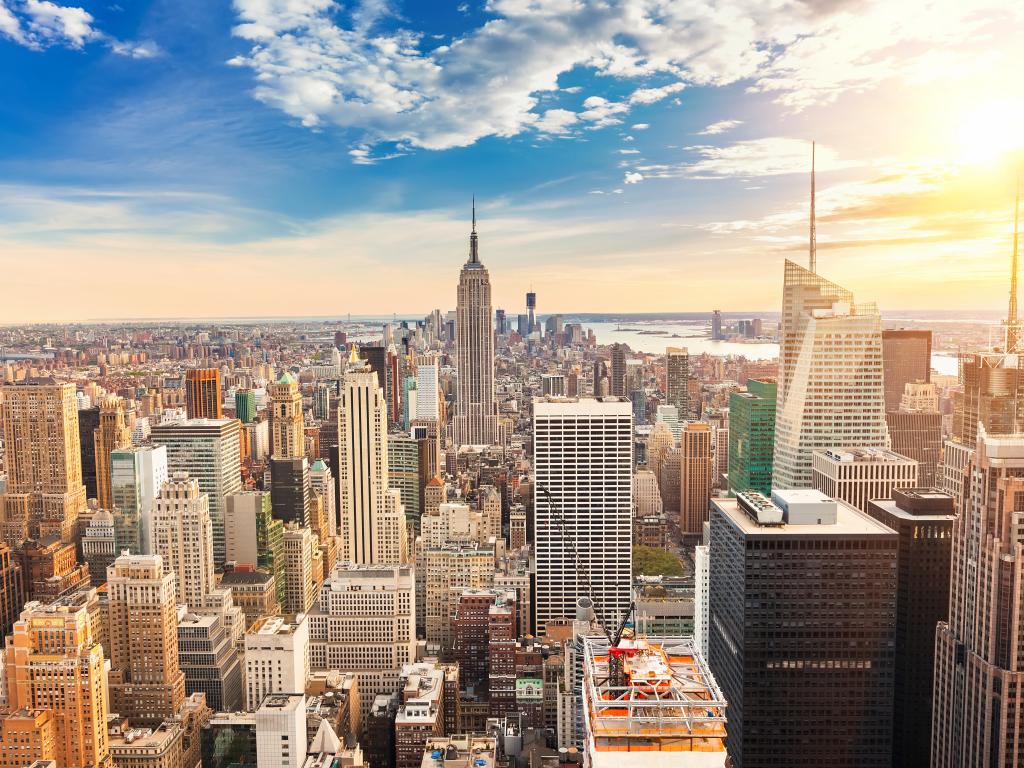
476	417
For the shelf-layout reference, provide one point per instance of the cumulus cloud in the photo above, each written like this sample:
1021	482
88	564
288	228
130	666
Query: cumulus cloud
40	24
632	177
770	156
720	127
321	64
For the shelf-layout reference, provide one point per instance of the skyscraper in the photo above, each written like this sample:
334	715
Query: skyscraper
367	505
531	307
858	475
695	474
906	359
924	519
245	405
618	371
476	417
979	672
677	379
752	436
583	475
88	423
915	430
183	537
146	682
830	390
136	475
287	440
716	325
802	595
44	494
209	451
202	393
291	492
111	435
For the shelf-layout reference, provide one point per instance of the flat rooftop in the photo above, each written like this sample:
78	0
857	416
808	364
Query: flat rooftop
849	522
863	455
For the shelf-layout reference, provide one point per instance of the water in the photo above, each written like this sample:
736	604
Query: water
695	337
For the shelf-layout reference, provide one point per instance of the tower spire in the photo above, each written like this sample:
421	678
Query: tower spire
474	255
1012	328
814	233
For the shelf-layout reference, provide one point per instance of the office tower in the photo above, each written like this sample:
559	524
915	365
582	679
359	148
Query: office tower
677	379
500	326
290	490
993	389
670	415
531	302
646	495
12	589
404	472
427	399
523	325
54	663
552	384
88	423
322	399
448	570
924	519
52	569
659	441
229	740
802	598
44	493
99	549
299	546
476	416
721	461
136	475
716	325
373	638
255	537
281	731
906	359
583	473
202	393
209	451
111	435
979	678
618	371
857	475
322	483
147	685
276	657
684	725
210	661
916	431
369	511
286	435
421	713
695	472
830	390
245	405
29	737
183	537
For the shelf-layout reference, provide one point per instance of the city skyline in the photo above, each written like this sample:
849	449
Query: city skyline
151	142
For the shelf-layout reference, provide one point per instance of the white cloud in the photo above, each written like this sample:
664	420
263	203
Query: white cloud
633	177
313	62
9	24
628	151
556	121
641	126
145	49
40	24
771	156
720	127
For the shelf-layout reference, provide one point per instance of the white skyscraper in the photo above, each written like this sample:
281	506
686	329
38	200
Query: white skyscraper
276	657
583	470
831	392
476	416
370	517
183	537
281	739
427	402
136	475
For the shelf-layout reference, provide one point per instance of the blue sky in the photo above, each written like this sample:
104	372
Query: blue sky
317	157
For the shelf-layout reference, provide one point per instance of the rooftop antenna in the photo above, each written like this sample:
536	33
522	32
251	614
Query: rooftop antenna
814	234
474	256
1012	328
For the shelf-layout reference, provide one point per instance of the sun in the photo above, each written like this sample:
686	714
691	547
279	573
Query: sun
990	131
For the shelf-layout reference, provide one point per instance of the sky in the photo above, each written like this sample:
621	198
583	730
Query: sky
174	158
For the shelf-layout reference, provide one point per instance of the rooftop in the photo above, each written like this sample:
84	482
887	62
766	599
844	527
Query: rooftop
862	455
459	751
848	522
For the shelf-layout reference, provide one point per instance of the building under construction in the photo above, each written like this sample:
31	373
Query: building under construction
646	697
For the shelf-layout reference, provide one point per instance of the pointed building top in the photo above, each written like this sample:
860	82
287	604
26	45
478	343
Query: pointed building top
814	234
353	355
474	253
1012	326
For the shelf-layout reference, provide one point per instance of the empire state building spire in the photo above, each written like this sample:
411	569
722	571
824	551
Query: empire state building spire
1012	326
474	254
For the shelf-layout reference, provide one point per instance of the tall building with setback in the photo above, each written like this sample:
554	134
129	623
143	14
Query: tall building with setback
831	389
210	451
906	359
54	662
365	623
183	537
112	434
752	436
286	434
369	509
44	493
583	473
210	661
677	378
12	589
802	598
202	393
136	476
476	416
979	674
276	657
924	520
857	475
695	474
915	431
147	685
618	371
651	702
